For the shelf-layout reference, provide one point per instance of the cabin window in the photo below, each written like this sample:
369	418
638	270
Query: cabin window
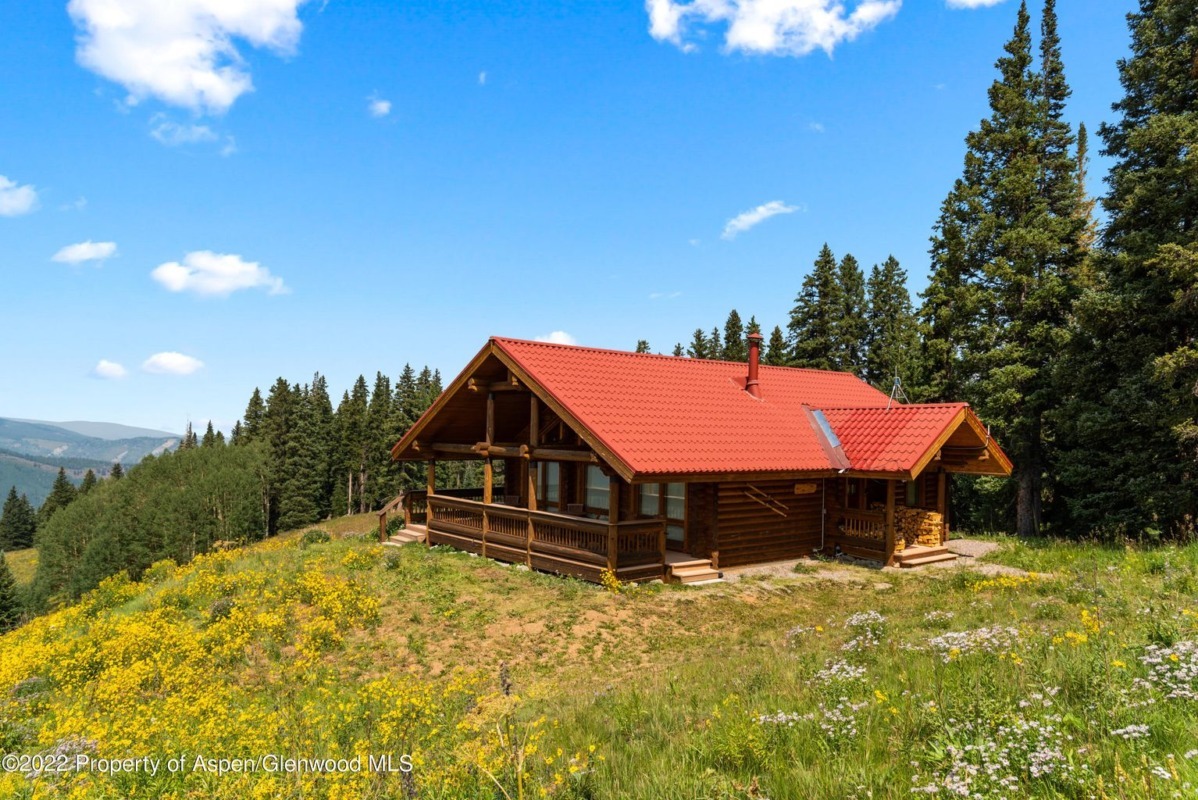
551	484
675	494
912	494
650	500
598	490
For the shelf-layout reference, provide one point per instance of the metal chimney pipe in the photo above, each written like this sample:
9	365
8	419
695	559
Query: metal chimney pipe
751	385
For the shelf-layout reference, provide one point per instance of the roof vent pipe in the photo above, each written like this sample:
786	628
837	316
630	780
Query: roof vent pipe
751	385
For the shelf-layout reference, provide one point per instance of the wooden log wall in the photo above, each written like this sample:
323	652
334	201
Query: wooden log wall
701	519
766	521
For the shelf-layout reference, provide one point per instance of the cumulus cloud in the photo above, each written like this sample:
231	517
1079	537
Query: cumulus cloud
16	200
558	337
482	78
109	370
776	27
755	216
971	3
85	251
818	127
216	275
181	51
173	134
171	363
377	106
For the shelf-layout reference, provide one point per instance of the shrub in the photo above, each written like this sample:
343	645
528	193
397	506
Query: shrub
314	536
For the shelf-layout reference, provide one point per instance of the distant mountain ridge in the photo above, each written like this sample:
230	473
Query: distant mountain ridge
31	451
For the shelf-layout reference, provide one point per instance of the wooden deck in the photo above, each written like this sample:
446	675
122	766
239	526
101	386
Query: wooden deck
551	542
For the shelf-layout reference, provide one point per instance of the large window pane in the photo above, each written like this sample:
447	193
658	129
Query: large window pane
553	482
650	500
597	489
676	501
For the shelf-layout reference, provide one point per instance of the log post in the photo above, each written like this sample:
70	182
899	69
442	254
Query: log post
661	547
942	504
488	480
428	502
889	522
613	517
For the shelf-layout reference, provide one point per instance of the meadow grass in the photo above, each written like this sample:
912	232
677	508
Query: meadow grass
23	564
1077	677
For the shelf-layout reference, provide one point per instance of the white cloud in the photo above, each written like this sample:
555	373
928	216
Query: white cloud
85	251
79	204
16	200
558	337
181	51
173	134
171	363
778	27
109	370
378	107
753	217
818	127
216	274
971	3
482	78
230	147
665	295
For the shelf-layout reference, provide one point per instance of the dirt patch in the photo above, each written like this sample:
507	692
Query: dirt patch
970	548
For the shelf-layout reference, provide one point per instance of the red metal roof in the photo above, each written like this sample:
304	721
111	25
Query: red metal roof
669	415
890	439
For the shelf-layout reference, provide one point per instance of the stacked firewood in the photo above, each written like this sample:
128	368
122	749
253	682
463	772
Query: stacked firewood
917	526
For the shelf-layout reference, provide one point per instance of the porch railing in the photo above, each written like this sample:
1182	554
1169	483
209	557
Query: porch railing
864	530
413	505
543	539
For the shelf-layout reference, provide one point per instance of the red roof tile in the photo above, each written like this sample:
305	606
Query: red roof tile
890	439
669	415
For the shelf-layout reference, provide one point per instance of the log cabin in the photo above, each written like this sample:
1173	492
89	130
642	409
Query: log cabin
661	467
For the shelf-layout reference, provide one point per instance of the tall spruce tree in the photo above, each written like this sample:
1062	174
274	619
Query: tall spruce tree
678	352
1129	438
278	420
892	334
325	436
698	347
642	345
814	320
851	327
355	443
302	472
777	351
734	338
255	411
18	522
88	483
11	607
62	494
1010	241
117	472
753	326
209	439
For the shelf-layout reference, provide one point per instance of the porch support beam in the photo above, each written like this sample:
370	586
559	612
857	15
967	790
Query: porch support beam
942	503
431	488
890	521
613	518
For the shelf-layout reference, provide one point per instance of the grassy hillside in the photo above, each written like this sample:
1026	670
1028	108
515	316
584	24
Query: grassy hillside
830	682
23	564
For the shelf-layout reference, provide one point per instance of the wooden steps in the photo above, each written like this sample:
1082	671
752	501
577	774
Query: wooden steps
692	570
918	556
412	533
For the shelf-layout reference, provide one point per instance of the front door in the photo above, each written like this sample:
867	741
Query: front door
666	501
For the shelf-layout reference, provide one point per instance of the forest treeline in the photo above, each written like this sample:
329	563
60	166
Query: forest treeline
291	461
1079	345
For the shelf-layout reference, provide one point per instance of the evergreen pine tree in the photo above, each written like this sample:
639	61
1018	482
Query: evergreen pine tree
189	439
355	443
715	348
8	518
642	345
851	327
325	438
753	327
277	424
209	439
11	607
89	482
698	346
892	334
678	351
255	411
814	320
1010	238
1129	435
237	435
734	338
62	494
378	489
302	475
776	349
117	472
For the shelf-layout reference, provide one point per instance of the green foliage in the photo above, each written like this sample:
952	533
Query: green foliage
62	494
1007	253
735	348
314	536
18	522
852	328
814	320
1129	434
175	506
891	330
11	607
117	472
699	347
776	350
642	345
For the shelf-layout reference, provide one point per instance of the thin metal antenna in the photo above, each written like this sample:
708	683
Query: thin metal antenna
897	389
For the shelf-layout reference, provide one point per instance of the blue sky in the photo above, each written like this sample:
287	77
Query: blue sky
195	200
